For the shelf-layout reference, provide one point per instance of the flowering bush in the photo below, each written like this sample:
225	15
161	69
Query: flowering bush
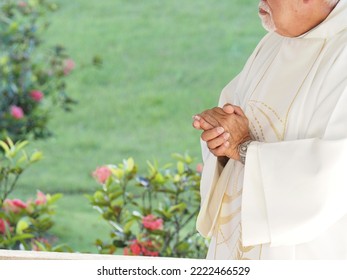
23	225
151	215
30	81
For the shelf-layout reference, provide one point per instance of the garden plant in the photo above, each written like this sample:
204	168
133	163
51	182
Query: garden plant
152	214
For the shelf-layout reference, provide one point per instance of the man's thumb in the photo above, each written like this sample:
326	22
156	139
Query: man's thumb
228	108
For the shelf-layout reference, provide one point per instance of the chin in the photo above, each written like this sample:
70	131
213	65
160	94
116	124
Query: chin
267	22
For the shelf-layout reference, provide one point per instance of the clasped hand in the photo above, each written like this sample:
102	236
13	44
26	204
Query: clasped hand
224	129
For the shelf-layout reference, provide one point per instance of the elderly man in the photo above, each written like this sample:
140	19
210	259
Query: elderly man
274	184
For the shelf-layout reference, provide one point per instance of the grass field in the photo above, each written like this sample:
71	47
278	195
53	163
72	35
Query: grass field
163	61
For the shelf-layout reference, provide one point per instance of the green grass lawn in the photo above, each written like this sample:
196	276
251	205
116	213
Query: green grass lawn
163	61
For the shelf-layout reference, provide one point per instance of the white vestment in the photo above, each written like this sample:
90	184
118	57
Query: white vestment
289	201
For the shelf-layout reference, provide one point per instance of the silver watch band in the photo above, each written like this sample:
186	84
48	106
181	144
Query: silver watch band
243	147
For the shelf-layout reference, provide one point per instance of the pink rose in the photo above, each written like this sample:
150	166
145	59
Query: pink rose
16	112
152	223
15	205
69	65
41	198
101	174
36	95
3	225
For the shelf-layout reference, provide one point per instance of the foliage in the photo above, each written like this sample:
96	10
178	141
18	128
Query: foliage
23	225
13	162
152	215
31	80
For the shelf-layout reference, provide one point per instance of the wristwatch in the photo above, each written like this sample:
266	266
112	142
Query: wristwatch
242	148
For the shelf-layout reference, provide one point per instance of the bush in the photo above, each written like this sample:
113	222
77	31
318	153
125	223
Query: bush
23	225
152	215
31	78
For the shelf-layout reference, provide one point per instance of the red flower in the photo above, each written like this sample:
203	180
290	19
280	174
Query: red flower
3	225
152	223
101	174
16	112
36	95
144	248
136	248
15	205
41	198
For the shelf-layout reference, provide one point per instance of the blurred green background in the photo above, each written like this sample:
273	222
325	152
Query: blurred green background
163	61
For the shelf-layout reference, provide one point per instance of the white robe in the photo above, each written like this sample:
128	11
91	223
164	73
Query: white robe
289	201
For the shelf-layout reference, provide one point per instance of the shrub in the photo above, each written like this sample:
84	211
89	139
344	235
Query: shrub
32	80
151	215
23	225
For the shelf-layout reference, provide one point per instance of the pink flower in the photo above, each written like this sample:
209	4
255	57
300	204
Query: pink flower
16	112
152	223
69	65
3	225
22	4
199	167
15	205
101	174
41	198
36	95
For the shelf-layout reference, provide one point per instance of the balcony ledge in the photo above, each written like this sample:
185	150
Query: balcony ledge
35	255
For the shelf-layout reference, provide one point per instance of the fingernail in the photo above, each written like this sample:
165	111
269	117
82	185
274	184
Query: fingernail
220	130
226	136
226	144
196	117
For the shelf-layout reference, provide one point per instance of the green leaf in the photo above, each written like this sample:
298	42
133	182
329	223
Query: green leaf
130	164
159	178
36	156
40	246
115	195
183	247
119	173
117	226
23	158
99	196
137	214
167	215
21	237
22	225
5	147
20	145
178	157
180	167
128	226
179	207
152	168
53	198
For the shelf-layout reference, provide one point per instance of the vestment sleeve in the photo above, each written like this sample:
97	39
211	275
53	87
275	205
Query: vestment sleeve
211	193
295	190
